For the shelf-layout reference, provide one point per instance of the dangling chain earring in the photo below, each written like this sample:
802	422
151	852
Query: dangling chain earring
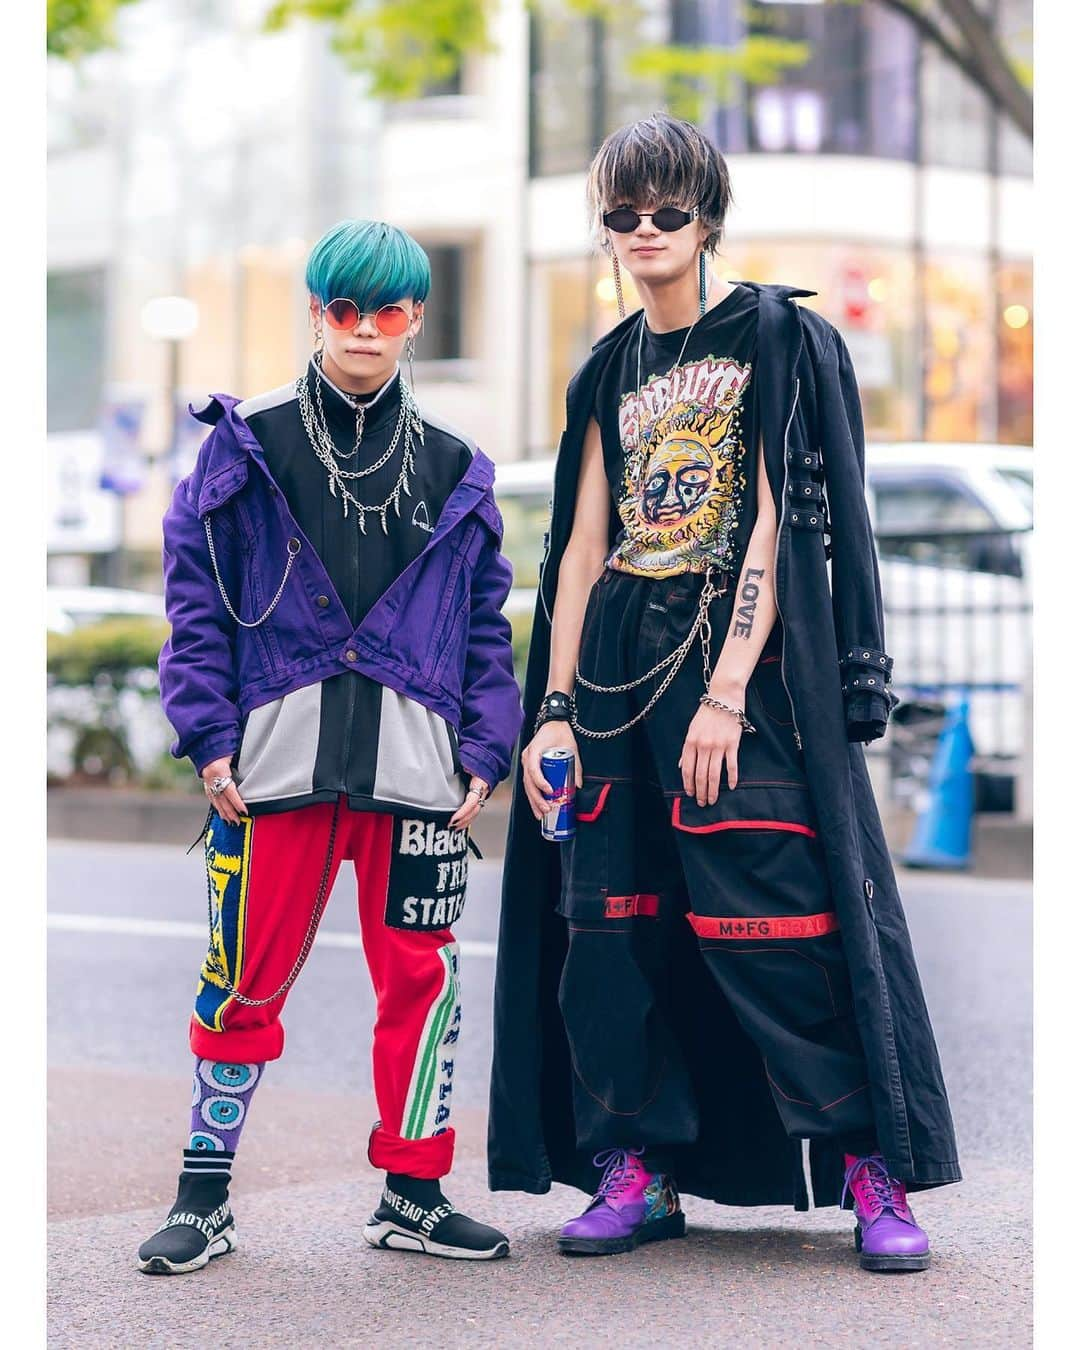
410	352
702	287
618	285
318	338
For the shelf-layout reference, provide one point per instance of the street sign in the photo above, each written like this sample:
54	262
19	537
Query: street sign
124	466
81	516
854	295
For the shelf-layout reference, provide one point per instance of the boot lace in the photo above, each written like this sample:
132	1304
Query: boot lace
621	1168
878	1187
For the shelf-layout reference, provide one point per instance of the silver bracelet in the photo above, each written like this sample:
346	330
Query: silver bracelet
718	703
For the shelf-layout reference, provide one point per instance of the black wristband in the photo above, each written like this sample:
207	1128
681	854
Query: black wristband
555	707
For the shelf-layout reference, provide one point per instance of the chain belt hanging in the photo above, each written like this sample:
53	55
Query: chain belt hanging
702	625
294	549
213	963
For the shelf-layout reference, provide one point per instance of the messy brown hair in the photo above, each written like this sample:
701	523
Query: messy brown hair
659	160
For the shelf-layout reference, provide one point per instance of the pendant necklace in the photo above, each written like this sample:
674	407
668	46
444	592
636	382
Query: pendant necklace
678	359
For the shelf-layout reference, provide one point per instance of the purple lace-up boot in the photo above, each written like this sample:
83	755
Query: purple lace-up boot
631	1206
886	1234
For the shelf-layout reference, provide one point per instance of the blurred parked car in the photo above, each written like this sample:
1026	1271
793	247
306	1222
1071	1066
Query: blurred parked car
953	525
70	607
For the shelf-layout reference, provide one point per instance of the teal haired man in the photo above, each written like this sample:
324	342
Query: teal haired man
340	674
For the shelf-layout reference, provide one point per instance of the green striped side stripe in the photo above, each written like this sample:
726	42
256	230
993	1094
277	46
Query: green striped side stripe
429	1052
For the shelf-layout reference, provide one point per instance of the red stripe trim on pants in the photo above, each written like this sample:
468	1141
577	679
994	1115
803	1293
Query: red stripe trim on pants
791	825
627	906
778	926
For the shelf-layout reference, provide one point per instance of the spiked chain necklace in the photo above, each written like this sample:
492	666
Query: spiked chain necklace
409	424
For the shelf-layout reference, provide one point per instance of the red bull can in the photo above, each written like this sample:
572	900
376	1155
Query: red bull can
559	768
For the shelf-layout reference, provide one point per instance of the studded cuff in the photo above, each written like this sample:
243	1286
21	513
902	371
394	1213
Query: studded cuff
868	702
858	661
555	707
868	656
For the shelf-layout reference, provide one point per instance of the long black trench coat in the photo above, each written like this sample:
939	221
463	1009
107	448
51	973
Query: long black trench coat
834	663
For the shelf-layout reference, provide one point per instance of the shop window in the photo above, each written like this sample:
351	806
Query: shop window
866	292
855	94
75	370
443	337
959	353
1015	411
564	88
789	119
955	116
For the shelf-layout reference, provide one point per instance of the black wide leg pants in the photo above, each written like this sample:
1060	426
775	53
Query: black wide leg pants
652	880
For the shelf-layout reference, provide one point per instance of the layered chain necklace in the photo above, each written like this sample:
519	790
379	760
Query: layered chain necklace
409	424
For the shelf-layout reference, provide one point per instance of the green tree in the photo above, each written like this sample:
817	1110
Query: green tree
75	28
405	45
401	47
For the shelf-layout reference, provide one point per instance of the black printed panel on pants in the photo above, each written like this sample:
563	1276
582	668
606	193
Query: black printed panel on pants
429	870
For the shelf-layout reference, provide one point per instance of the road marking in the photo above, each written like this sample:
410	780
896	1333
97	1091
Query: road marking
176	928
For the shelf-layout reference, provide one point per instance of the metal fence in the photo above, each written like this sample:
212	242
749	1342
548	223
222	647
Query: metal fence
958	625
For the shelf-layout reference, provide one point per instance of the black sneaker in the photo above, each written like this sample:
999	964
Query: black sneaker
415	1216
200	1226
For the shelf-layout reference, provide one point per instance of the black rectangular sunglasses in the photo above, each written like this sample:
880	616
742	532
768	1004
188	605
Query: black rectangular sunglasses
625	220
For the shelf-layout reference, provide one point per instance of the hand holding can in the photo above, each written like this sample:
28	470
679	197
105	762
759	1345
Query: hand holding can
559	767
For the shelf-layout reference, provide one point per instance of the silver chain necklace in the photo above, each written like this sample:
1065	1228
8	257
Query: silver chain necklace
359	408
678	359
409	422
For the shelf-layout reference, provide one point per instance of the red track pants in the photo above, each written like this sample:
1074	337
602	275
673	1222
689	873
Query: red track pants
264	876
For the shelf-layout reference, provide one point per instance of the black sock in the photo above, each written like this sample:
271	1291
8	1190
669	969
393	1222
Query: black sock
424	1191
859	1145
658	1160
204	1163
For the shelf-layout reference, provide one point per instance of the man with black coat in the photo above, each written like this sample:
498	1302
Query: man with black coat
717	966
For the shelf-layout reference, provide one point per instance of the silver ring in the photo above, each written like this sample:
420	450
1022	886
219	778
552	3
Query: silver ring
219	784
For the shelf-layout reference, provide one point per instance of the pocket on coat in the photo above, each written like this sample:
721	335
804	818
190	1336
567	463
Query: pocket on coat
766	685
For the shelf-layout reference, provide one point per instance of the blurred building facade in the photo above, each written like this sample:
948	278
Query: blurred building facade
876	174
204	157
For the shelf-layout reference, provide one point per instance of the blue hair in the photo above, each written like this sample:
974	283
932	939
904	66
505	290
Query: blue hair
369	262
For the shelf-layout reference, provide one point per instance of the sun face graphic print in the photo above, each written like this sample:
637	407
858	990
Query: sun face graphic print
684	473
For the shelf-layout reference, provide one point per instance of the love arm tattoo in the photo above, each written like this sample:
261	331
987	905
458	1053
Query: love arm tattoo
748	597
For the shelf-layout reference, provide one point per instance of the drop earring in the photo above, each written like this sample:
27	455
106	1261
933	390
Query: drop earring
318	339
410	352
618	286
702	287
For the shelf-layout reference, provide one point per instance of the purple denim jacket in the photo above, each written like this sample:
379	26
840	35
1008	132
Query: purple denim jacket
437	635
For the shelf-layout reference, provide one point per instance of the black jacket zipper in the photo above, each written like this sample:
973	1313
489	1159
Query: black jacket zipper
776	566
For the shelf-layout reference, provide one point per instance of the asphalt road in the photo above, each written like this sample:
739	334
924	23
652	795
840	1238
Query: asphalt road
127	934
